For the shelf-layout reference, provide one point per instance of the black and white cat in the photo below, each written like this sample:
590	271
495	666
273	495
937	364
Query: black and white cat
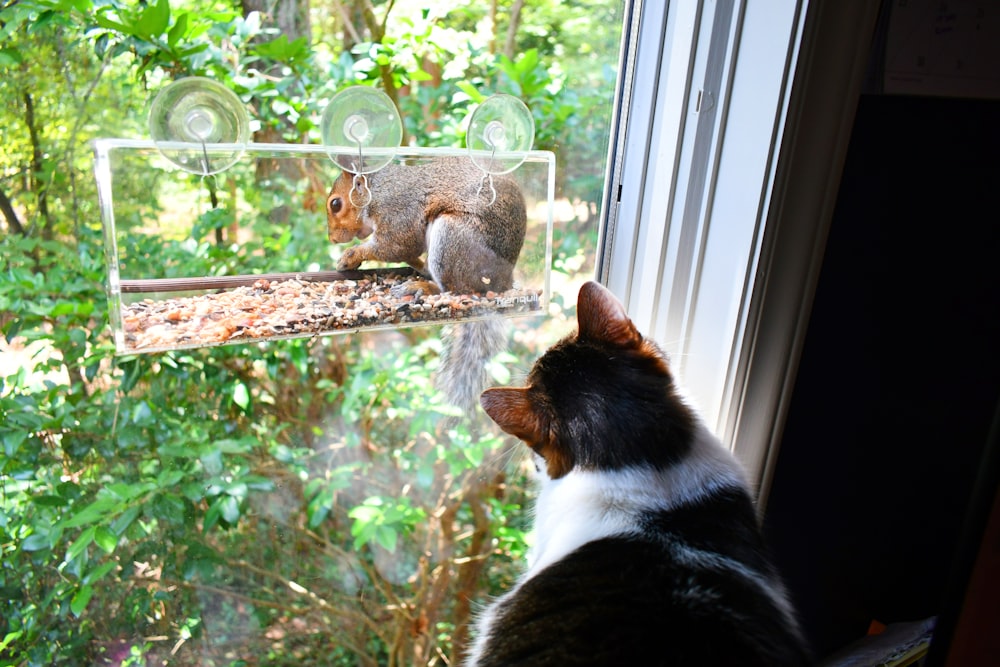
648	549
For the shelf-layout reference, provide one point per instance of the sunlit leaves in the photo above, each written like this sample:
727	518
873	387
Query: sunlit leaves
382	521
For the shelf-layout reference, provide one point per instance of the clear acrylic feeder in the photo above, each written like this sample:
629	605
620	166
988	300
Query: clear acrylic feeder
243	255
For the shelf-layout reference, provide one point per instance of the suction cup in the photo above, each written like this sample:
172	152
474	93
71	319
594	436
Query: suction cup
361	129
500	133
199	125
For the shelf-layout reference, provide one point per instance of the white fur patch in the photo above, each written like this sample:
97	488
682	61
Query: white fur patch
434	240
584	506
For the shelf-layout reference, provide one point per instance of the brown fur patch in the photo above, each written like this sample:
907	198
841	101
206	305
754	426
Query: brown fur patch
511	409
514	412
343	219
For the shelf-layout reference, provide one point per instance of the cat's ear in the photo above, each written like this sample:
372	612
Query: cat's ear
513	411
602	318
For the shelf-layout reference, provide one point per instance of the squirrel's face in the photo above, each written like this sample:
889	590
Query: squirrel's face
343	220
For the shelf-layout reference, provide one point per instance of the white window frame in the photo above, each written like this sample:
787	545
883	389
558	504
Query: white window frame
732	125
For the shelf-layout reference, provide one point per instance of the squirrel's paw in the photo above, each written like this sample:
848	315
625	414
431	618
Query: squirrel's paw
414	288
351	259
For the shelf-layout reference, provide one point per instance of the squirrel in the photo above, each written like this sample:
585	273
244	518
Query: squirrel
471	229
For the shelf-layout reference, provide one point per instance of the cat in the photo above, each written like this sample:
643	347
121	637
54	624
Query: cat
647	546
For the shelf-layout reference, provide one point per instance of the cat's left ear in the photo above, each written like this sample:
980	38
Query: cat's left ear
602	317
513	411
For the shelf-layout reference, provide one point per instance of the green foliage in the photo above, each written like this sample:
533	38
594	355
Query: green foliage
297	502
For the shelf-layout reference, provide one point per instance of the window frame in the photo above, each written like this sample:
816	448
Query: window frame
684	179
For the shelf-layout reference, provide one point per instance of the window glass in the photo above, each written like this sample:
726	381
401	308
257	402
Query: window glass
310	501
692	187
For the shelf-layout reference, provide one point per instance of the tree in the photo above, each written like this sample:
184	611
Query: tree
301	502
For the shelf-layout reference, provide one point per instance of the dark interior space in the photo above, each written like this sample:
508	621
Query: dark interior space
899	380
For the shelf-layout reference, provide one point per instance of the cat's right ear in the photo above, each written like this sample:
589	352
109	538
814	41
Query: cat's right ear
602	317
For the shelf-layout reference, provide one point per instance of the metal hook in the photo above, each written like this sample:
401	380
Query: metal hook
206	167
488	173
356	127
361	186
488	178
495	135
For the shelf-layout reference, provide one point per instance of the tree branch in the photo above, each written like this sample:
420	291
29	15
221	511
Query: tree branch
80	118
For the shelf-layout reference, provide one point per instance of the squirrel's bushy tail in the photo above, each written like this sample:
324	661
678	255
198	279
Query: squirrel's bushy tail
468	347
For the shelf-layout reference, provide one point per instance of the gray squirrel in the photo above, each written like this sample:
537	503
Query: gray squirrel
471	230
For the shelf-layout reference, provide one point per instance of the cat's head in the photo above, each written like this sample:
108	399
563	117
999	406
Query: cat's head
602	398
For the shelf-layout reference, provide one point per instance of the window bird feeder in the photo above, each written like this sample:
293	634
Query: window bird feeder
249	256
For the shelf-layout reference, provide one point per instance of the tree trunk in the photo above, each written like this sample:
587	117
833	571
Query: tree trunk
291	18
7	208
512	27
38	184
493	26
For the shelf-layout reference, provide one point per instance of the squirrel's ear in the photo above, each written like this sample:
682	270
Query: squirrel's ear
513	411
602	318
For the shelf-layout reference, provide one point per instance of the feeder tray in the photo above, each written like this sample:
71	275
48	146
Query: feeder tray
161	301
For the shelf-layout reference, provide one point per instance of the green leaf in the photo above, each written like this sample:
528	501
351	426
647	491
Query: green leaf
105	539
230	508
92	513
36	542
142	413
10	57
12	441
81	599
10	637
281	49
85	540
471	90
154	19
212	516
233	446
258	483
132	372
386	536
241	395
99	573
317	510
178	30
167	479
124	491
363	535
212	462
62	308
108	24
364	514
169	508
125	519
50	501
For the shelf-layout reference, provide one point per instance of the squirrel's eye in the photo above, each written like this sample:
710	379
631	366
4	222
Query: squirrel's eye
335	204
